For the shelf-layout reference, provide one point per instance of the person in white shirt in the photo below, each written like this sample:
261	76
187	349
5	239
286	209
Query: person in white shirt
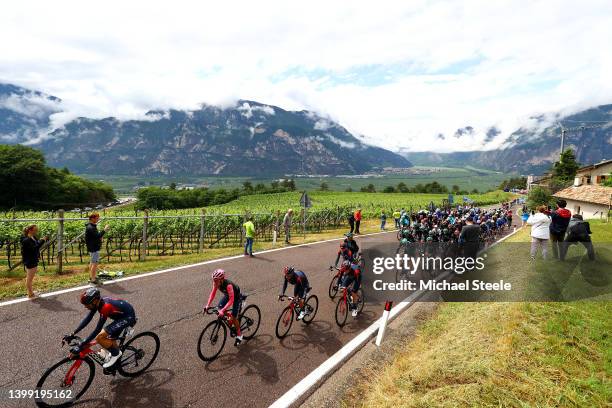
540	233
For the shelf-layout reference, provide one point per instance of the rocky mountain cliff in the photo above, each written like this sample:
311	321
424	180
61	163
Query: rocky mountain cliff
24	114
248	139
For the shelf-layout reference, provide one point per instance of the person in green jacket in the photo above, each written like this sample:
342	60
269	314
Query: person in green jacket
249	228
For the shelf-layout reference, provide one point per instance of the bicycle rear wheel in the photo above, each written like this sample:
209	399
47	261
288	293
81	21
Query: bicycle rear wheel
361	302
211	341
341	311
68	378
333	287
311	306
284	322
249	321
138	354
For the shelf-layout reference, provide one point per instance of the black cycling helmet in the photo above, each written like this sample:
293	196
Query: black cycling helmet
349	235
90	295
289	271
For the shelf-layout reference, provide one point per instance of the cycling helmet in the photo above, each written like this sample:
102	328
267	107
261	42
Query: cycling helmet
90	295
218	274
288	270
349	235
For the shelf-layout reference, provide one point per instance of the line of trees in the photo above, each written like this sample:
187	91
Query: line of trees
171	199
429	188
26	182
514	182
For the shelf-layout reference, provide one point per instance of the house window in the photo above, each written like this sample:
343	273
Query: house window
588	179
577	209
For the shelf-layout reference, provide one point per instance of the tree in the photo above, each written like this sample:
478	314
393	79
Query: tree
324	186
247	186
349	190
539	196
368	189
402	187
565	169
173	186
608	181
455	189
474	191
389	189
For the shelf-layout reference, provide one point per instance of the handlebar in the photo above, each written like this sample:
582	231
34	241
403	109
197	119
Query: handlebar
283	297
212	310
71	340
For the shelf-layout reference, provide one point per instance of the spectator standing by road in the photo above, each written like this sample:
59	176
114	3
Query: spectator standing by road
357	220
287	224
540	232
351	221
396	218
560	219
249	229
93	241
383	220
469	238
578	231
30	254
524	215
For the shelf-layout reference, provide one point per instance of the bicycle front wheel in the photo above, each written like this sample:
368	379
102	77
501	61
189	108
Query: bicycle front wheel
64	383
341	311
211	341
249	321
361	302
311	306
333	287
138	354
284	322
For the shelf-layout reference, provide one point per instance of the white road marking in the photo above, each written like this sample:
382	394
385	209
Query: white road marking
178	268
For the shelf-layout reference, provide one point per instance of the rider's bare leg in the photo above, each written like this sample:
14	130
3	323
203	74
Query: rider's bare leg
234	322
103	340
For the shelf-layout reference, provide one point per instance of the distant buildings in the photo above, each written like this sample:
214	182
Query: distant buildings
588	196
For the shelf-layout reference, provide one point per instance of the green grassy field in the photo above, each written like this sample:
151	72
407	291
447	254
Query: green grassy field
466	178
505	354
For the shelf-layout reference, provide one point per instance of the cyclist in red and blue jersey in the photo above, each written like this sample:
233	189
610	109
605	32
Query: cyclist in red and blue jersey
351	274
119	311
231	298
300	288
345	253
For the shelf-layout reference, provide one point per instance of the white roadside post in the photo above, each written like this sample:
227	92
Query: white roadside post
383	323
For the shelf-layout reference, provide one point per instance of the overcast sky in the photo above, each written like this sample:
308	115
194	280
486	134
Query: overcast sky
398	72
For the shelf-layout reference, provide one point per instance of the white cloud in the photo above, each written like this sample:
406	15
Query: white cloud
398	73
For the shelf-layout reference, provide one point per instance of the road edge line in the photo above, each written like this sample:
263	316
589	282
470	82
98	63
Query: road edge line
177	268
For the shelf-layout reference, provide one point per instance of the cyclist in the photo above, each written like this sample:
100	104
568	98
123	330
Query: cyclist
344	252
351	273
231	298
300	289
120	311
351	244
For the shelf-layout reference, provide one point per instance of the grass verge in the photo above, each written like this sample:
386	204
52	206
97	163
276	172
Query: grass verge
501	354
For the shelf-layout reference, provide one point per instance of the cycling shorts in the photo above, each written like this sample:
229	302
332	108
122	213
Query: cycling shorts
300	290
348	279
115	328
235	306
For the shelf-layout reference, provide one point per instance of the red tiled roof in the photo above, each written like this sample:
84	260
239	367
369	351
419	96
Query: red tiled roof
587	194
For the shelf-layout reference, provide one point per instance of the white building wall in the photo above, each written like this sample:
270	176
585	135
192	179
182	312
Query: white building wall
587	210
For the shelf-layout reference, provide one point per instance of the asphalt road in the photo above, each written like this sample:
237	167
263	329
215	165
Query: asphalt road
254	375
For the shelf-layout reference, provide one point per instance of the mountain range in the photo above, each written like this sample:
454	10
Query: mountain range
533	150
251	138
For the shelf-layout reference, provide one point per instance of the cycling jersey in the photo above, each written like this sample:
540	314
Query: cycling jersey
300	282
120	311
351	275
231	297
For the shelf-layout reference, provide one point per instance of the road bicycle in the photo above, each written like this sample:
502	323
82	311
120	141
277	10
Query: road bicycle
285	320
335	282
342	307
213	337
67	380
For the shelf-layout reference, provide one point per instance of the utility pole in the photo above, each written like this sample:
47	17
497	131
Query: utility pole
562	138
